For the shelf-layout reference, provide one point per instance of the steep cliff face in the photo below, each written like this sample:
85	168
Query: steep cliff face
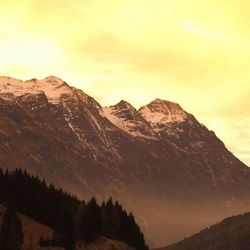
159	160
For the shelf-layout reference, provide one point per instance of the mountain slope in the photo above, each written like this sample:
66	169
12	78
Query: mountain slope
103	244
32	230
67	220
231	234
160	162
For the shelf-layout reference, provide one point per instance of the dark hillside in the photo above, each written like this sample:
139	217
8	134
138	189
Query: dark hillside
231	234
70	219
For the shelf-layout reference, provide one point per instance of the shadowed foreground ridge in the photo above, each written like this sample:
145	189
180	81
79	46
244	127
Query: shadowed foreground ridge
230	234
172	172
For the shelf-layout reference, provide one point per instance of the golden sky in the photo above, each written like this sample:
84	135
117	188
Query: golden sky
196	53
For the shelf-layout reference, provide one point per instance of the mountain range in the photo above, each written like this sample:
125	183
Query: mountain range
172	172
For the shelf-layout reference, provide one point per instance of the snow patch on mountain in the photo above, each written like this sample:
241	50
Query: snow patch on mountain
160	112
121	123
126	117
52	86
158	117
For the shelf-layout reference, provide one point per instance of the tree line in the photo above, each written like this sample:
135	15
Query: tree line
70	219
109	220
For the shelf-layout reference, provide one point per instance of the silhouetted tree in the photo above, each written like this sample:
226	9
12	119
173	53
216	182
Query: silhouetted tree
55	208
109	220
91	228
65	229
11	231
78	220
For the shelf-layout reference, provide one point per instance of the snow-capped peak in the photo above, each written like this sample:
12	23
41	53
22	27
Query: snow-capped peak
124	116
123	105
53	87
118	114
56	81
163	112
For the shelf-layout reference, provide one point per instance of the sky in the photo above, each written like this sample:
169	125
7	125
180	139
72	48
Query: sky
192	52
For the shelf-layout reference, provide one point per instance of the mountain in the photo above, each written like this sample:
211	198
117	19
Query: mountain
232	234
173	173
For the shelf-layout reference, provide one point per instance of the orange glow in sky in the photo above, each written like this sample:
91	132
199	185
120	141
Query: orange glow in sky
192	52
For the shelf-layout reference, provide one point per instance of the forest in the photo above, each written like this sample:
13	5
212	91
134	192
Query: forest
72	220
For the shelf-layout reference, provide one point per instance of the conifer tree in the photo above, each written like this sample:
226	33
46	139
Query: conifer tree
11	231
91	228
78	220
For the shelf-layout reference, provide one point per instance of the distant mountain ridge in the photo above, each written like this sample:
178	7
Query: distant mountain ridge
159	161
230	234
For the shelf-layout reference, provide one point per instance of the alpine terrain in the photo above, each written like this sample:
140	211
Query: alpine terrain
173	173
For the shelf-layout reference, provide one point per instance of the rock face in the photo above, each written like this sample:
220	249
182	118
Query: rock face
159	161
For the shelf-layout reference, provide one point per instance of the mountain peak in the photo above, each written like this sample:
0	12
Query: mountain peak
54	80
160	104
162	112
52	77
124	105
47	82
6	80
124	116
52	86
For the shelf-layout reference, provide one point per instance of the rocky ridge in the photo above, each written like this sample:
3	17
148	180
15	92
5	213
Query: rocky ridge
159	160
